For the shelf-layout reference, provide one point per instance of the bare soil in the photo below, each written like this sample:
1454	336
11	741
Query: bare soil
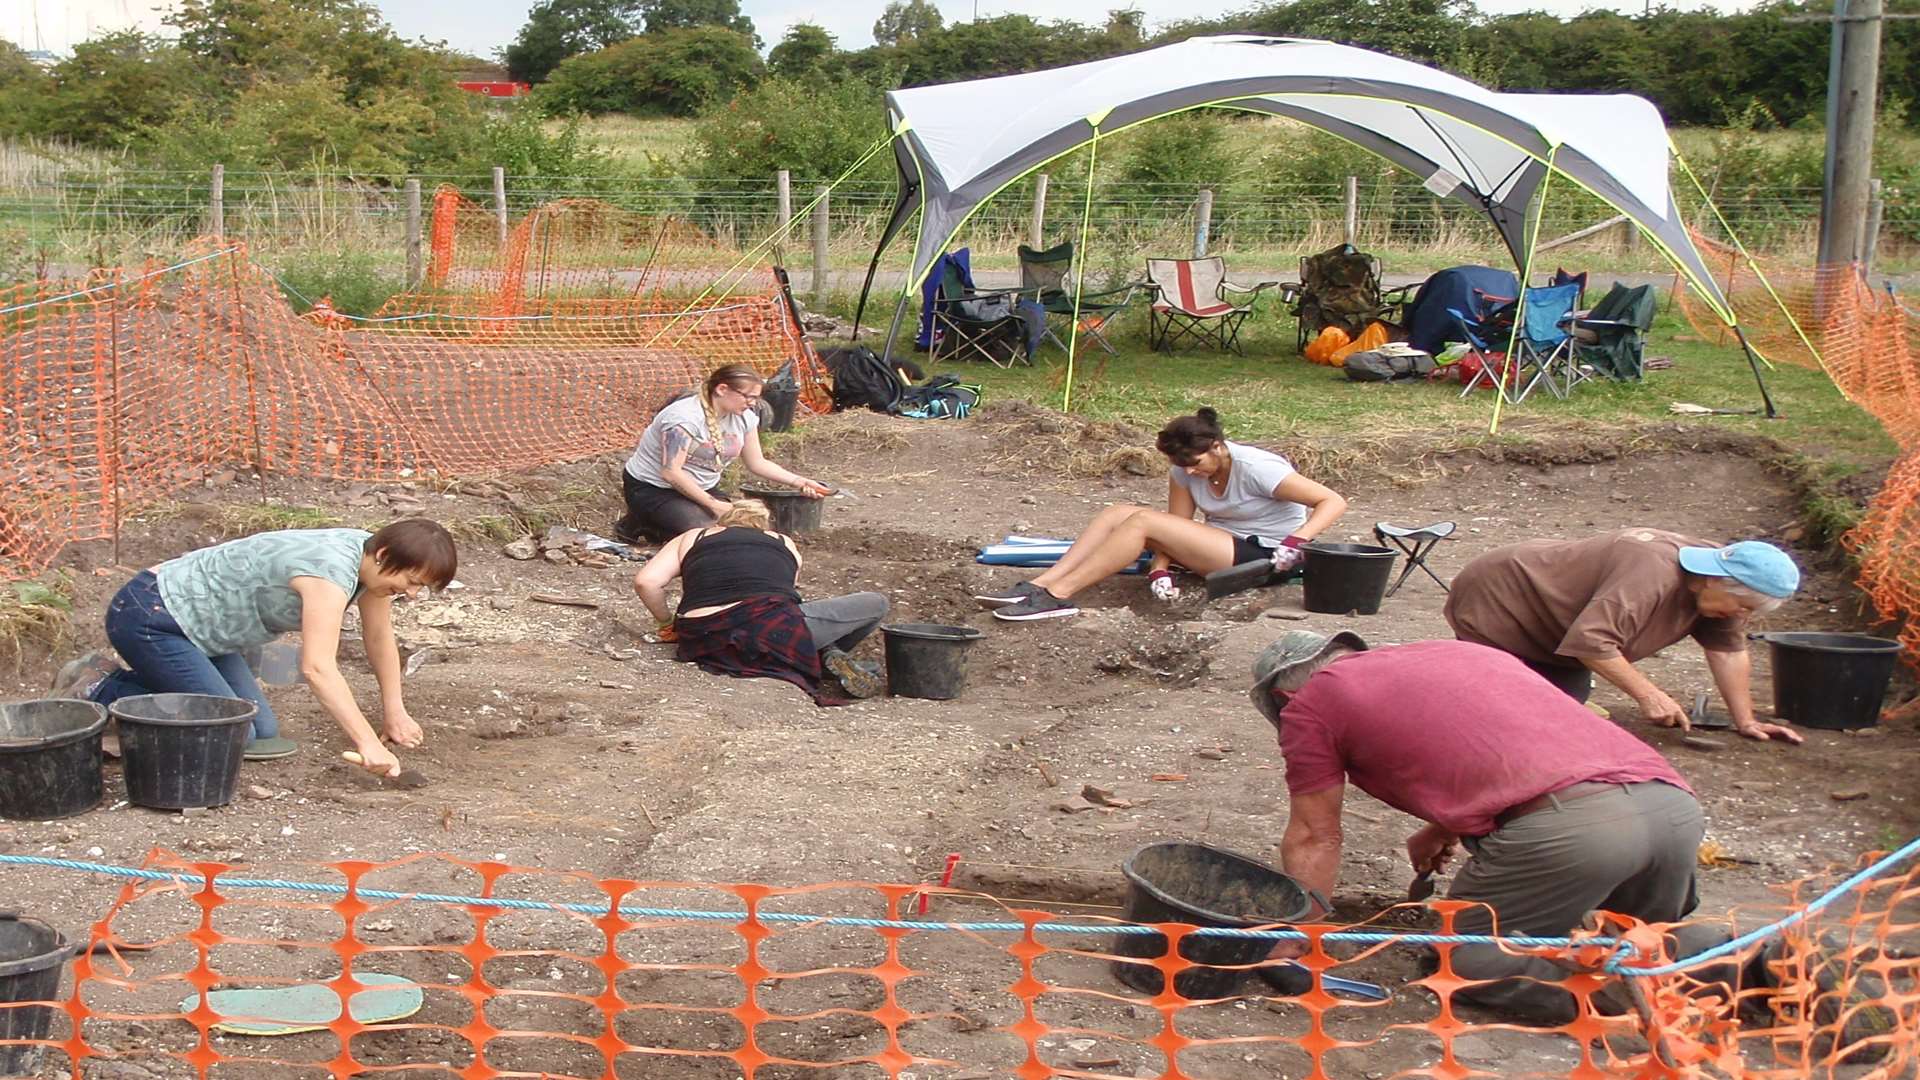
562	742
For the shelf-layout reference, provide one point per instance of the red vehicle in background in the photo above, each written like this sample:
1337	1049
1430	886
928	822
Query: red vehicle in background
496	89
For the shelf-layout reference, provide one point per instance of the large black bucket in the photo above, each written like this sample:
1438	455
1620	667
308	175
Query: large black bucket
31	957
1203	886
182	750
1832	681
1346	579
50	758
793	512
928	660
780	401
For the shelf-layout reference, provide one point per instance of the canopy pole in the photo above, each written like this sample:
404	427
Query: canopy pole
1520	302
893	330
1080	256
1752	264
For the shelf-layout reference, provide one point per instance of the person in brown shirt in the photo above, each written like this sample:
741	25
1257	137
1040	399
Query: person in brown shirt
1570	608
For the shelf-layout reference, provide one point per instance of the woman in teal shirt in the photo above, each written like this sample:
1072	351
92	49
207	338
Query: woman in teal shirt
185	625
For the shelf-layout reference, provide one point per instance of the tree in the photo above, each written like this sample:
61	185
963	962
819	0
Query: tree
1127	27
243	41
685	14
676	72
801	52
906	20
21	84
558	29
115	86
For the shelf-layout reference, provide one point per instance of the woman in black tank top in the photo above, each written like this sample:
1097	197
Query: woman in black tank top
740	611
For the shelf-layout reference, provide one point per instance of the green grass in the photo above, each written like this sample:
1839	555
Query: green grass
638	139
1274	396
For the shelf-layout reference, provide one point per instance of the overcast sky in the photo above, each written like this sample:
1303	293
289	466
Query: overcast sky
483	26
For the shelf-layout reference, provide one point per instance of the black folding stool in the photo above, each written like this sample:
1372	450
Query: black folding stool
1417	544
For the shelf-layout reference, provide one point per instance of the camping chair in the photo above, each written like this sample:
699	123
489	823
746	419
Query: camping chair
1618	326
1485	326
1341	287
1044	280
1544	345
1190	301
986	325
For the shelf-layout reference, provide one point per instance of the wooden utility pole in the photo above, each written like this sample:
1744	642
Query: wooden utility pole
1852	92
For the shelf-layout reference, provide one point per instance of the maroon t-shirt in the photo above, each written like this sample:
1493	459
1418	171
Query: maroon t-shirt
1452	732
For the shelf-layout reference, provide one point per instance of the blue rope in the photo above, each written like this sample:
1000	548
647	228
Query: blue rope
1771	929
1617	965
117	284
1355	937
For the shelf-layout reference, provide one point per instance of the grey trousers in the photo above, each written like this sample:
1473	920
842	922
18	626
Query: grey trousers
1630	851
843	621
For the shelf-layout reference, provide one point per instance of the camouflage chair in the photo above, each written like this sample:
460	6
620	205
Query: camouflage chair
1341	287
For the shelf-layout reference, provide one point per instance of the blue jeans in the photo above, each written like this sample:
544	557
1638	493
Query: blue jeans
160	659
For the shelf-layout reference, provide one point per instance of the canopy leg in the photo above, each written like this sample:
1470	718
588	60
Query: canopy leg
1753	362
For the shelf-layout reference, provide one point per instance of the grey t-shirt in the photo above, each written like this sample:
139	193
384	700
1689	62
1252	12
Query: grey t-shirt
234	596
1248	507
706	457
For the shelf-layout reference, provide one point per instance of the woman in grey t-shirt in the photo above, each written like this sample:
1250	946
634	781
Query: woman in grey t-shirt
671	482
185	625
1256	508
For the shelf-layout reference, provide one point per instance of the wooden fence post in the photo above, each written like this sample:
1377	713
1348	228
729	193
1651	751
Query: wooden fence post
783	186
217	204
1876	210
1353	209
413	233
500	202
820	246
1203	223
1037	231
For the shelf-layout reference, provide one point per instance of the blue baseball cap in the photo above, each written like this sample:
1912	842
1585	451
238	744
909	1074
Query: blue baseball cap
1759	566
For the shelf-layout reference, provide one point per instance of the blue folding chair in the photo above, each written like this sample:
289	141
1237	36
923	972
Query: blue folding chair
1485	326
1544	349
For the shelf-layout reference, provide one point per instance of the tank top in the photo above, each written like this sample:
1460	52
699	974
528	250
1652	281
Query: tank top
736	564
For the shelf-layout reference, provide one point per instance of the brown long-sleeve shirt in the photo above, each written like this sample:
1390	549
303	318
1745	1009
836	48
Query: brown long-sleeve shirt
1565	601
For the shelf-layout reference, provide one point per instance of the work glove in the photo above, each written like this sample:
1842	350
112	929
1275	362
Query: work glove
1160	584
1289	555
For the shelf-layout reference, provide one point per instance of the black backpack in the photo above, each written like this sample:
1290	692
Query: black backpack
861	379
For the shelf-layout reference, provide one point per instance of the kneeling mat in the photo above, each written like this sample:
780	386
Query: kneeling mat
288	1010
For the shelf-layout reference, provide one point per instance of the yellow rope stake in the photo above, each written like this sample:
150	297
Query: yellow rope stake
1520	302
762	246
1759	273
1080	256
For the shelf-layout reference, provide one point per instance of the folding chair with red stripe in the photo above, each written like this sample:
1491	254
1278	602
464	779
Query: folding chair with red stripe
1190	301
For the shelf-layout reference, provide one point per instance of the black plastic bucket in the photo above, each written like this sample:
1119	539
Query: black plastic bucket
182	750
781	401
50	758
1346	579
928	660
1832	681
1203	886
793	512
31	957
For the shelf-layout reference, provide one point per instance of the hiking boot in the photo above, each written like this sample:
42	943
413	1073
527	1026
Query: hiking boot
1012	594
857	679
81	676
1041	605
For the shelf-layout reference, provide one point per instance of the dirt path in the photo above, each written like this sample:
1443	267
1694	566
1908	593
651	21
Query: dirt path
558	740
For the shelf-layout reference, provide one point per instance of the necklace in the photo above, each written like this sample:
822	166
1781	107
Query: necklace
1218	481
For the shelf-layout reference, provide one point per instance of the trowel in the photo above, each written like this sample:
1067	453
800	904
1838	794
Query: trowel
407	780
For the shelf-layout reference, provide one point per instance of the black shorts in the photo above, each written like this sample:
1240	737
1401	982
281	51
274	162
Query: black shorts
1248	549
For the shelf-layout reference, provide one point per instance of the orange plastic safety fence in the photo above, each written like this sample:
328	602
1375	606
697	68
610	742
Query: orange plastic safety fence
1869	345
767	987
559	345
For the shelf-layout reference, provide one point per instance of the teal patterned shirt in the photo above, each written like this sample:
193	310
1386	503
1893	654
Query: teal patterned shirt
234	596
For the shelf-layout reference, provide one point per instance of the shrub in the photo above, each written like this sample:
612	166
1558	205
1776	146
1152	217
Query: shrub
356	283
813	128
674	72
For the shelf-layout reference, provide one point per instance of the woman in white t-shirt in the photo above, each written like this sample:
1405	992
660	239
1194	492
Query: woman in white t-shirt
671	481
1256	508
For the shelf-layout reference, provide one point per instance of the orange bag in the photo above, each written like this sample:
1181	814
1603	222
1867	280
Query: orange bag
1374	336
1322	347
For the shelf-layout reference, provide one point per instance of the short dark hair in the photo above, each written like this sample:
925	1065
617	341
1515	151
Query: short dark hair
416	544
1186	438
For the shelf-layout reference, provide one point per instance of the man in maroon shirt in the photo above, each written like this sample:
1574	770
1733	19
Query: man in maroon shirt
1563	812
